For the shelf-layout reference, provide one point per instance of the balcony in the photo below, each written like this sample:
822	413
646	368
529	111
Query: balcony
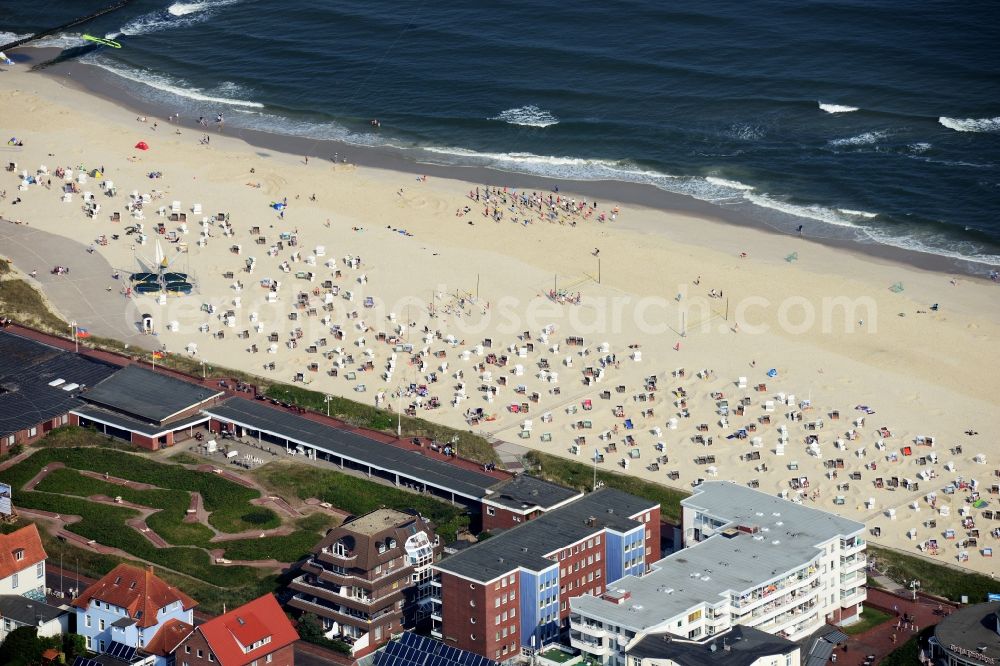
769	592
854	561
854	596
589	629
853	577
333	594
591	647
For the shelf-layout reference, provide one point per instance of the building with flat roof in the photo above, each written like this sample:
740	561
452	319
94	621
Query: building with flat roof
969	636
150	409
738	646
370	578
511	591
752	560
39	386
522	498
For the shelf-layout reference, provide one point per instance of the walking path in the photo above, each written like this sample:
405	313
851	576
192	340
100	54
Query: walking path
81	295
878	640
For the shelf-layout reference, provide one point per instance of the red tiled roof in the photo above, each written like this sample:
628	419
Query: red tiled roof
241	627
139	591
170	635
25	539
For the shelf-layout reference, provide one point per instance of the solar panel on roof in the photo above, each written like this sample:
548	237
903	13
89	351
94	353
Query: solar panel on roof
83	661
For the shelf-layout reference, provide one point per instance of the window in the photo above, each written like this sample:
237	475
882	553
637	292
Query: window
496	603
513	612
7	624
511	579
472	619
13	581
200	655
490	511
40	570
472	637
86	620
211	656
32	431
267	659
512	595
90	641
497	623
187	649
101	627
101	643
19	554
472	603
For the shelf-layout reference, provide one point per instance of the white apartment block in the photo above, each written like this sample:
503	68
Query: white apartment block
751	559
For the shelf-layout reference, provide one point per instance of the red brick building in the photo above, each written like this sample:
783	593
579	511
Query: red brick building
255	634
511	591
148	409
39	385
522	498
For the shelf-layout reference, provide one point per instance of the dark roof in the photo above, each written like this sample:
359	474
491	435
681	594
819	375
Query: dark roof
527	544
26	369
745	646
525	492
835	637
149	395
259	415
27	611
123	622
363	536
409	649
135	425
972	627
820	653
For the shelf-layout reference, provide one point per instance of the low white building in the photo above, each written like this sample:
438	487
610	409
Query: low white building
17	611
752	559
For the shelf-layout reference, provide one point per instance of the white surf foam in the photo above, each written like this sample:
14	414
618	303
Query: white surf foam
61	40
170	86
733	184
863	139
857	213
177	15
185	8
837	108
971	124
919	147
530	116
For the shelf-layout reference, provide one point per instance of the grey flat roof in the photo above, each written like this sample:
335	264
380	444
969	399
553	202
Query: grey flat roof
971	627
746	645
123	622
789	537
525	492
148	395
135	425
26	369
258	415
527	544
741	505
27	611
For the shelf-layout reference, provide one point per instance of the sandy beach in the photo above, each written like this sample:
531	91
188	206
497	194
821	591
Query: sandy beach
677	347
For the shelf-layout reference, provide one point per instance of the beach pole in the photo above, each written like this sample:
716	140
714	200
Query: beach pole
683	324
727	308
477	287
598	270
594	486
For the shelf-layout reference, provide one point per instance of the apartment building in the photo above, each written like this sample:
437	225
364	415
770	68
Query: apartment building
752	560
511	591
370	578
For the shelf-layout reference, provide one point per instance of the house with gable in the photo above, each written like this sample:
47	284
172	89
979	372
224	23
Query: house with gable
22	563
256	634
132	610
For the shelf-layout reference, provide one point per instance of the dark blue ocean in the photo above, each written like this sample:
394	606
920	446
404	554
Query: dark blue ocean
874	120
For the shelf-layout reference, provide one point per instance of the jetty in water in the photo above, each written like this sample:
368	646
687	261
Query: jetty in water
65	26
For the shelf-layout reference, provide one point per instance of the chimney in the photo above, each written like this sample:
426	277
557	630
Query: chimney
591	521
149	568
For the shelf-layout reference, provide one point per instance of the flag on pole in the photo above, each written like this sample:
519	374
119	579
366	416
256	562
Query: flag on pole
81	332
158	355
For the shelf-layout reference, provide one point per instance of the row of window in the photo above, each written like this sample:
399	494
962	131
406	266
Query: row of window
506	648
499	600
503	582
267	660
575	550
39	573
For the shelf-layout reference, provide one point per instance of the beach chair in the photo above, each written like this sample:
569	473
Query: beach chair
792	257
896	288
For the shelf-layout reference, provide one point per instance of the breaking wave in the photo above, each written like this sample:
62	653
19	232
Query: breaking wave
971	124
530	116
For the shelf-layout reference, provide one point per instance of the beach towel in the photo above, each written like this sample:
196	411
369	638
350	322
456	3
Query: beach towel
142	145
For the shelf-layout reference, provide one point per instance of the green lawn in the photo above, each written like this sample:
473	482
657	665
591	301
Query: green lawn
557	655
580	476
357	495
870	617
934	578
64	491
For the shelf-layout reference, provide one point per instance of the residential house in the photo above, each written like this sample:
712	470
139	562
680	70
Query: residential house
255	634
130	607
22	563
370	578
